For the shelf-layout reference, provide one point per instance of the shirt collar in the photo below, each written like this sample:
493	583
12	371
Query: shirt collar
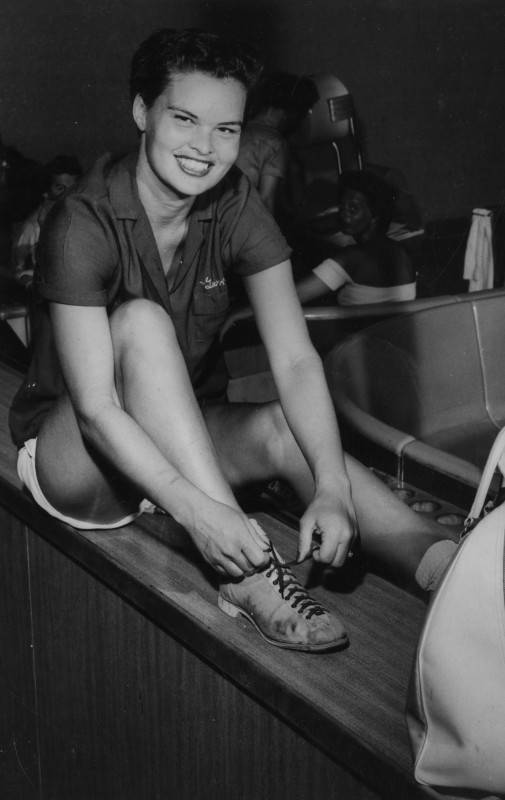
123	190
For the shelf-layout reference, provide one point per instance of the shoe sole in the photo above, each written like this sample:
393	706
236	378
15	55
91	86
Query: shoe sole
235	611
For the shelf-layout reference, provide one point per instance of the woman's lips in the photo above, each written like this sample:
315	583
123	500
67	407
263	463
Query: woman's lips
193	166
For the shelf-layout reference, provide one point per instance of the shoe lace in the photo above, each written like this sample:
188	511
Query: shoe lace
290	587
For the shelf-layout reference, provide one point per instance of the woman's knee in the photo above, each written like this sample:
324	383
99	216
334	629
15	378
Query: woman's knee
140	322
275	435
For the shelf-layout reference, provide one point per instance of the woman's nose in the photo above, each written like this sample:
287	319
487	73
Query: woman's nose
202	141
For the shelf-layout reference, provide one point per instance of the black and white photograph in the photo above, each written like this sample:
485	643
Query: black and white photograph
252	400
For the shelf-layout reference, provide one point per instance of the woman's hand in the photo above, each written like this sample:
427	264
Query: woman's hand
332	516
231	543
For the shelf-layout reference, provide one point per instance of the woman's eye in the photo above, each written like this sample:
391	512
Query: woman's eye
227	131
183	119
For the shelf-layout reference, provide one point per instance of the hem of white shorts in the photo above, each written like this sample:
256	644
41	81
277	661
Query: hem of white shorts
28	476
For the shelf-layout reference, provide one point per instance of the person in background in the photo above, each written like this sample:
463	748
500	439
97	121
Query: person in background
4	205
22	182
371	267
62	173
276	109
132	276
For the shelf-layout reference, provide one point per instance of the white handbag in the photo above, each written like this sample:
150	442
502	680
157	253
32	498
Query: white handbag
456	698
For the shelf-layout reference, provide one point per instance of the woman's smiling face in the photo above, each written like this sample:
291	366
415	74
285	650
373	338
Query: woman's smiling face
191	133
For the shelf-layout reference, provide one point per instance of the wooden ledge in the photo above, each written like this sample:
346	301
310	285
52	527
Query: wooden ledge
349	704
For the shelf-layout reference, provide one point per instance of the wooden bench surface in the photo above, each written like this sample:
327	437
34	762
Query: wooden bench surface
350	703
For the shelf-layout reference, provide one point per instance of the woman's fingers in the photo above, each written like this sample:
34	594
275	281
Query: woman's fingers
257	547
335	528
335	554
245	552
228	569
307	527
259	534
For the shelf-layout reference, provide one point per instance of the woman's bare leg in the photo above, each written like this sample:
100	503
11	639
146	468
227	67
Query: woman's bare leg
255	443
246	443
155	389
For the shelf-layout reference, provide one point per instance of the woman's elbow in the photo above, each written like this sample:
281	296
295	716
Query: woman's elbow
300	365
92	415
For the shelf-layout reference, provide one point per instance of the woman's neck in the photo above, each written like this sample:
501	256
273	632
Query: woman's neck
162	205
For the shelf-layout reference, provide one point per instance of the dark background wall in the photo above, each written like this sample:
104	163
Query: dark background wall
427	77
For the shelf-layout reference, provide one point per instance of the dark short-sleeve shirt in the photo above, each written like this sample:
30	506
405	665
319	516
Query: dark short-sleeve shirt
98	249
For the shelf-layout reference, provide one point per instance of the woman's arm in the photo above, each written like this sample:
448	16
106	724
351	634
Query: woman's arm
84	347
306	402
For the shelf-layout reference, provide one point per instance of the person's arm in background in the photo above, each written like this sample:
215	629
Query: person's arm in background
271	177
328	276
268	188
310	288
23	251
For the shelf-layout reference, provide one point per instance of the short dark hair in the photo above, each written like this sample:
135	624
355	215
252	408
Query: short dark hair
380	196
168	51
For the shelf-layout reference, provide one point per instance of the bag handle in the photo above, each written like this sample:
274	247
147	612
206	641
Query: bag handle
495	460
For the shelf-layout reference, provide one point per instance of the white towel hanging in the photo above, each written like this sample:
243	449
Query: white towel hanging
479	264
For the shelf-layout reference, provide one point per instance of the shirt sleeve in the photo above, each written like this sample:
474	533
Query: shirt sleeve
30	232
332	274
275	164
260	156
75	258
255	241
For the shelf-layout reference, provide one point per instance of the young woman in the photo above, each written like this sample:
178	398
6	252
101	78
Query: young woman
134	270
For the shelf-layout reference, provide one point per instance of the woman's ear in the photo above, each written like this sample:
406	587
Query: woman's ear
139	113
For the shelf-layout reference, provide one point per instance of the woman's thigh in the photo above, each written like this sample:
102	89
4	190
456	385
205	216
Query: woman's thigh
77	481
244	436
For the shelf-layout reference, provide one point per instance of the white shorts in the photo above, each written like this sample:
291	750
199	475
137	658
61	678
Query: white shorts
28	475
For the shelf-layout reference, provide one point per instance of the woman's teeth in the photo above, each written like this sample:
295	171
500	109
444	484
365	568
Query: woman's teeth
194	167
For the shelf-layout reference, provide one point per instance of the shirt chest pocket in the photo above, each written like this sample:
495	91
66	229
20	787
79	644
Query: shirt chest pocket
210	307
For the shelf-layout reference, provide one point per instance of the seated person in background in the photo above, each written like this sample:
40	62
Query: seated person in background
4	203
62	172
279	104
21	186
374	268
